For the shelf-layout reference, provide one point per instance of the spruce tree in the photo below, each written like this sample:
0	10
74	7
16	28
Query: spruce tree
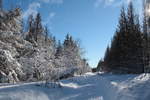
106	60
146	41
30	28
31	25
66	41
38	26
59	50
54	42
46	33
118	49
71	51
135	51
126	53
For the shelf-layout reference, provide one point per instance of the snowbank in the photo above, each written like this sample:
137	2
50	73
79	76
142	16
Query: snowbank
87	87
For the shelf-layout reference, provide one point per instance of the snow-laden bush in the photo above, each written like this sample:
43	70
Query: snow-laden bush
32	55
9	67
11	20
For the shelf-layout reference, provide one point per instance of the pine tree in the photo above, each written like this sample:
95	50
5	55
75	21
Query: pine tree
38	26
31	25
67	41
135	51
144	19
118	49
101	66
106	60
31	28
126	53
71	52
139	45
46	34
54	42
59	50
146	40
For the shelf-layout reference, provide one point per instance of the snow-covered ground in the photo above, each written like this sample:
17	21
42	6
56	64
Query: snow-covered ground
87	87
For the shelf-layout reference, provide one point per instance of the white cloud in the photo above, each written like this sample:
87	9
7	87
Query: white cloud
49	18
106	2
32	9
97	3
128	1
51	15
52	1
46	1
119	3
112	2
109	2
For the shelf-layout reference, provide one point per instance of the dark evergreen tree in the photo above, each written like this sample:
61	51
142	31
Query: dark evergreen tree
146	41
31	28
106	60
31	24
117	54
144	19
71	51
100	66
135	50
35	28
46	34
59	50
126	51
67	41
38	26
54	41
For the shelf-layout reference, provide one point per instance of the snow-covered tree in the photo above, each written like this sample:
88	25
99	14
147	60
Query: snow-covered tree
35	54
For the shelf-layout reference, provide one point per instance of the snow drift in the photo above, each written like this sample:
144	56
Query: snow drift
87	87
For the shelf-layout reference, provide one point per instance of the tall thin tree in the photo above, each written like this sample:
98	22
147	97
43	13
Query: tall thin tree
46	33
38	26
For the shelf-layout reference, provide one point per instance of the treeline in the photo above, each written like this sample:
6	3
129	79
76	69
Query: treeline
66	54
35	53
128	52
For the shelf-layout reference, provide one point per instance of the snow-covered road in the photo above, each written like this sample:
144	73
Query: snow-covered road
87	87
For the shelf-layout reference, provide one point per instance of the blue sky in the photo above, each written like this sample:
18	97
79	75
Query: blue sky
93	22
